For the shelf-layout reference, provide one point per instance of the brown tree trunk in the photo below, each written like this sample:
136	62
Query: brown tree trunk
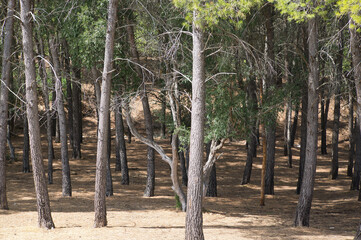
194	218
122	152
102	158
109	182
252	136
4	95
305	200
150	184
77	118
212	183
26	146
43	204
270	82
351	141
355	183
336	112
66	182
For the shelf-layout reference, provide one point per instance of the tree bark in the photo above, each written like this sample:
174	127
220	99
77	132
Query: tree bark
101	162
351	140
194	218
325	104
355	183
43	204
270	82
212	183
109	182
306	194
66	182
4	95
123	161
26	146
252	136
77	116
355	40
336	112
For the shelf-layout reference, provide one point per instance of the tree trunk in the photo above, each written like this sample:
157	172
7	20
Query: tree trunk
101	162
163	111
212	183
4	95
69	91
355	40
194	218
325	103
11	147
336	112
252	137
270	82
109	182
351	140
43	204
306	194
123	161
183	165
77	116
149	189
355	183
294	125
45	91
26	147
303	118
66	182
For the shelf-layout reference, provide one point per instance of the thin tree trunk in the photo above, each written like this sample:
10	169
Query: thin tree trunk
194	218
66	182
69	99
351	141
45	91
101	162
77	116
294	125
43	204
109	182
336	112
26	147
324	115
270	82
11	147
123	161
212	183
355	183
150	184
355	40
163	111
4	95
252	137
305	200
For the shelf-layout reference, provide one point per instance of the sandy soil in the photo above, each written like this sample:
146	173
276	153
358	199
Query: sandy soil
235	214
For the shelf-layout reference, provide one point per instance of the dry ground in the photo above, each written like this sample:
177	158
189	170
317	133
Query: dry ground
235	214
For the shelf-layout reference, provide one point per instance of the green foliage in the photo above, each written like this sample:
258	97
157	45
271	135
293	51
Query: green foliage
210	12
301	10
351	7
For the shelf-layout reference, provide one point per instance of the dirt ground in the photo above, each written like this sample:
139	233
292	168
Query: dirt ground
235	214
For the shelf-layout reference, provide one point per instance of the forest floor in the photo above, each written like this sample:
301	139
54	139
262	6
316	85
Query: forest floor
234	214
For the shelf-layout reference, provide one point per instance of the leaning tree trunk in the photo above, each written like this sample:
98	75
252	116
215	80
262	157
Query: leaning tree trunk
4	95
43	204
212	183
194	218
66	182
336	112
305	200
102	158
